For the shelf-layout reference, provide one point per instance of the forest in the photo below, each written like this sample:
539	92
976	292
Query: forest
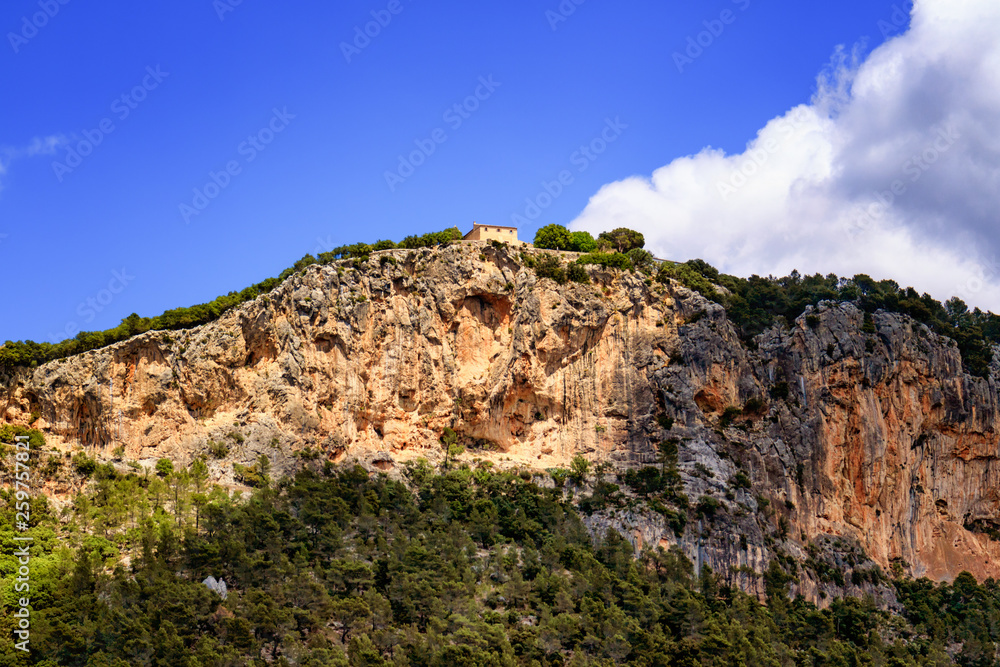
450	566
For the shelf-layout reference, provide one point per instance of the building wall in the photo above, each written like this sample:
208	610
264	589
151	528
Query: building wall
490	233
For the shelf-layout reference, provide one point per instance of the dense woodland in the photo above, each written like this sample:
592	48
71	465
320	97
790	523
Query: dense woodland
450	567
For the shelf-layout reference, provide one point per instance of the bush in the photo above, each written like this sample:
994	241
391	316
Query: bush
740	480
577	273
613	260
218	450
84	465
164	467
729	415
432	239
248	475
559	476
549	266
579	468
707	507
665	422
10	432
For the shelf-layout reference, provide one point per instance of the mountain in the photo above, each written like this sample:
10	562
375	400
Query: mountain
855	444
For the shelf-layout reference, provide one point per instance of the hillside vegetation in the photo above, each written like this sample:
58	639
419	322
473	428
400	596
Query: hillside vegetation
753	304
448	568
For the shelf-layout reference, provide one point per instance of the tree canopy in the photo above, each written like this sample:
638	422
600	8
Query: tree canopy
621	239
471	566
552	237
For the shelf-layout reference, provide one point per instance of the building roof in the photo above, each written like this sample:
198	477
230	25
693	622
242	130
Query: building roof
482	224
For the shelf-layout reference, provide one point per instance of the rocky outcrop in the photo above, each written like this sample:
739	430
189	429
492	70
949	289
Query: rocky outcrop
852	442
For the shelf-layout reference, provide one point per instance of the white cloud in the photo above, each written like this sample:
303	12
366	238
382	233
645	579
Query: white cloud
814	190
38	146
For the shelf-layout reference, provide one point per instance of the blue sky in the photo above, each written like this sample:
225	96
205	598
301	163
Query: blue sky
200	78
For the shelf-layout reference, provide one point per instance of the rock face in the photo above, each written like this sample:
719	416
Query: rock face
866	445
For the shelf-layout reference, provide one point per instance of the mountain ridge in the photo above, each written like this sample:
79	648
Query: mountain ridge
825	431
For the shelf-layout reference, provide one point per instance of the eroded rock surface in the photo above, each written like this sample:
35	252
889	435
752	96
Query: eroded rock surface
876	443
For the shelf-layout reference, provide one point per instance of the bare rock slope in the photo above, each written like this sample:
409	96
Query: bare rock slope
860	448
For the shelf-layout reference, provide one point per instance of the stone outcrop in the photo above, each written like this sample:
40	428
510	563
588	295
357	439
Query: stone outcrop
855	443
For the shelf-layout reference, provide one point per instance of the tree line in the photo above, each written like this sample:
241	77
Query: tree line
30	353
756	303
437	568
753	304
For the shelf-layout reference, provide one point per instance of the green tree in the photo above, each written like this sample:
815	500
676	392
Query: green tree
552	237
351	613
579	469
449	438
164	467
641	259
581	242
621	239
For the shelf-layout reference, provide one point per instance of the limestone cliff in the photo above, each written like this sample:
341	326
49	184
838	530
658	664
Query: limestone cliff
861	445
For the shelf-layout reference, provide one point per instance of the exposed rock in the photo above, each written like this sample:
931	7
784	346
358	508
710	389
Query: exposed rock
217	586
879	439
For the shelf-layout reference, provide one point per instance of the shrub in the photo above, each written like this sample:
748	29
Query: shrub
84	465
559	476
579	468
740	480
707	507
218	450
645	480
550	267
614	260
729	415
249	475
577	273
52	466
675	520
10	432
164	467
